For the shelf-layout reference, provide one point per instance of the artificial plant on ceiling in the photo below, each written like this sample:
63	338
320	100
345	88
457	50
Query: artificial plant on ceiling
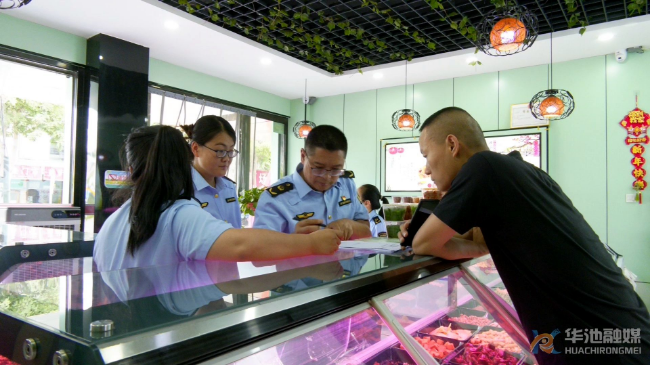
322	50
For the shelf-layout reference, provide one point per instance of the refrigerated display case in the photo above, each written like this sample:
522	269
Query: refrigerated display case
354	307
440	319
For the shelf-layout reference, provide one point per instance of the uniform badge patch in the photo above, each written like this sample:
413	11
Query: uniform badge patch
303	216
377	220
344	201
230	200
382	234
349	174
280	189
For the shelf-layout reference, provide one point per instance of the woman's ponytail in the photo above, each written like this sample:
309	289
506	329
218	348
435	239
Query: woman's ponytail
159	159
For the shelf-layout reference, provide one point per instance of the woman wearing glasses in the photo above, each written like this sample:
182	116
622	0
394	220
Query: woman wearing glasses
213	148
320	193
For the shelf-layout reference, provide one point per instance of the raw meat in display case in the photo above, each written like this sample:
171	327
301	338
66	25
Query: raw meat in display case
473	320
496	337
448	332
482	355
436	347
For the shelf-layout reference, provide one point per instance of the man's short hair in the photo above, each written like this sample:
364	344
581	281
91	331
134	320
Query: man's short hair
456	121
327	137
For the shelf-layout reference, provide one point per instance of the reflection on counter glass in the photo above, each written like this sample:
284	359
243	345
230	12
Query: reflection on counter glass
140	298
362	338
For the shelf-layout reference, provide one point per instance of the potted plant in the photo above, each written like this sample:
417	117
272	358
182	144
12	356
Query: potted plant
248	203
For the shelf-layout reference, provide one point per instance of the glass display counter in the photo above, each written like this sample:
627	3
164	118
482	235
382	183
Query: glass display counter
354	307
28	253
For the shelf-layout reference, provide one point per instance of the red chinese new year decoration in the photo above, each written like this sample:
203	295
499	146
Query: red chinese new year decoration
636	123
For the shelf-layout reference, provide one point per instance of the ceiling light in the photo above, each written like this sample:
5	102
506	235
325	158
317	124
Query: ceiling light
507	30
266	61
605	37
378	75
171	25
301	129
471	60
552	104
406	119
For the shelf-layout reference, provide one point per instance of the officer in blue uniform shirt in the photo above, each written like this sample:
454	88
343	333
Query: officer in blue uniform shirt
370	197
213	148
220	201
320	193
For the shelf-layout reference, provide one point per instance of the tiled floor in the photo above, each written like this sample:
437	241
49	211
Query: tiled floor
643	289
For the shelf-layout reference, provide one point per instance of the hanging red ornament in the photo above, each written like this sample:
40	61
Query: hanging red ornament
636	124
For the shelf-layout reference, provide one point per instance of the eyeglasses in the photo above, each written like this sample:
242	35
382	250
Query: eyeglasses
223	153
322	172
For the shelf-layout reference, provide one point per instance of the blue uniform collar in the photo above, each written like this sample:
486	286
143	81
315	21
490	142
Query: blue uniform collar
301	185
200	183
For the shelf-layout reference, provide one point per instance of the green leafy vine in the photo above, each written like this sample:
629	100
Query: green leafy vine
574	19
461	25
636	6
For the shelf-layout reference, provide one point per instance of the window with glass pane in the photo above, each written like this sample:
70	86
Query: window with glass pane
172	111
36	143
92	174
261	151
267	139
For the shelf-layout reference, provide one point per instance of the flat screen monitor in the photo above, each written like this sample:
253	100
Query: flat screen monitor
403	164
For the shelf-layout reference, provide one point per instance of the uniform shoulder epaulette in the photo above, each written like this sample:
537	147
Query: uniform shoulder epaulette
227	178
280	189
349	174
377	220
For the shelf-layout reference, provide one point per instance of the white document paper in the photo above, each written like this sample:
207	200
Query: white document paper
378	244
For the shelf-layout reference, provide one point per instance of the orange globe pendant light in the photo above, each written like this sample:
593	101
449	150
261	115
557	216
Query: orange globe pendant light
507	30
551	107
405	122
301	129
552	104
508	35
406	119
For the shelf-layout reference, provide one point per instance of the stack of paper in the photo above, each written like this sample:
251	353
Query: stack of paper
378	244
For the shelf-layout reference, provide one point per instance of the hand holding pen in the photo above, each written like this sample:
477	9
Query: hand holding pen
309	225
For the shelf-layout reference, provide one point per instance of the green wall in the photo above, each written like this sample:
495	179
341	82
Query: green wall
628	223
168	74
36	38
587	155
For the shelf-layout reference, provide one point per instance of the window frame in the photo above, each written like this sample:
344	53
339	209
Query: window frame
244	127
79	121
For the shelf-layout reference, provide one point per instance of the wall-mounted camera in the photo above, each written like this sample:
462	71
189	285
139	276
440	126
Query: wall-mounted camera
621	55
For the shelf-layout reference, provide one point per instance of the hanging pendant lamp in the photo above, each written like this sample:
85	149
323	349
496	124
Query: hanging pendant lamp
301	129
507	30
13	4
552	104
406	119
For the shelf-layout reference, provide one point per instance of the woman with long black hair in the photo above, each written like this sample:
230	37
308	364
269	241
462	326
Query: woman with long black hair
162	222
371	199
212	141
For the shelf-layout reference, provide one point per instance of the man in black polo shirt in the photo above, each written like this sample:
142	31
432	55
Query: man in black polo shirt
557	272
